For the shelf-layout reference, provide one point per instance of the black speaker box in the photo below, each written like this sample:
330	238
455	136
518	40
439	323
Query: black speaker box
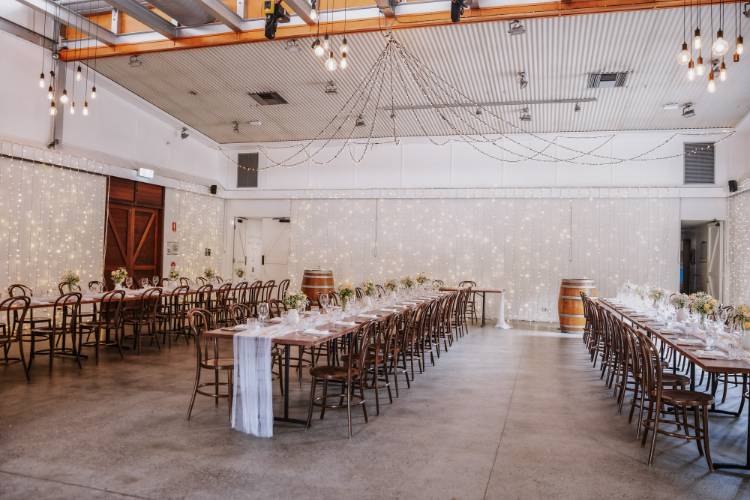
214	188
732	186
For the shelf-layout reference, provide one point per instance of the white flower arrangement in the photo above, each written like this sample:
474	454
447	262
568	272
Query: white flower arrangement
679	300
70	278
209	273
119	275
391	285
174	274
407	282
295	300
703	304
368	286
656	293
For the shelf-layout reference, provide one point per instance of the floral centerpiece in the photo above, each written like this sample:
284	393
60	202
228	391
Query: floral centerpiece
421	279
391	285
118	277
679	301
368	286
656	294
174	274
239	272
209	273
295	302
703	304
741	317
346	293
70	279
407	282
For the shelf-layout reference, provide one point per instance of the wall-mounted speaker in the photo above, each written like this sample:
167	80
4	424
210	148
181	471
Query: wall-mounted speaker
214	188
732	186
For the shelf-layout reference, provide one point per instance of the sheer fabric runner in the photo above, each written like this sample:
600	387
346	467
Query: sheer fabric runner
252	408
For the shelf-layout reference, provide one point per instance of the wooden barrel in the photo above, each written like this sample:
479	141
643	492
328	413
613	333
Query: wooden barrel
316	281
570	305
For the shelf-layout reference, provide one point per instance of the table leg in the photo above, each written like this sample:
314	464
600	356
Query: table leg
746	465
692	376
285	417
483	300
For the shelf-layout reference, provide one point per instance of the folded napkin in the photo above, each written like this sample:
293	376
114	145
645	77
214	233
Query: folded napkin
275	320
345	323
711	354
684	341
313	331
39	302
370	316
237	328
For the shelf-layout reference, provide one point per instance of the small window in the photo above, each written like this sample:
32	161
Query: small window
247	170
699	162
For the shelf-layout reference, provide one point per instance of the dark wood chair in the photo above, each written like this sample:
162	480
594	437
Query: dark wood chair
64	324
146	319
281	291
20	290
14	311
348	376
208	358
109	319
471	306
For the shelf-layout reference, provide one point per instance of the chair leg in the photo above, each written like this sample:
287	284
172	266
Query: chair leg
313	383
349	406
362	396
653	438
216	387
230	391
698	437
706	447
325	399
195	391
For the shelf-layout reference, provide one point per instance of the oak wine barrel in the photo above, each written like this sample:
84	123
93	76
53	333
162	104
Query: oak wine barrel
570	305
316	281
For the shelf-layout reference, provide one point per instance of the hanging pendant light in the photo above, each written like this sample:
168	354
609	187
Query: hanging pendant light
85	108
684	55
344	48
93	92
50	93
41	80
318	48
344	61
691	70
700	69
72	107
64	96
711	83
740	48
723	72
697	41
52	108
326	42
720	46
79	74
331	64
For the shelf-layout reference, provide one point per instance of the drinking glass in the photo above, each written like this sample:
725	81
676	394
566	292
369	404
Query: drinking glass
129	282
263	312
155	280
324	301
710	339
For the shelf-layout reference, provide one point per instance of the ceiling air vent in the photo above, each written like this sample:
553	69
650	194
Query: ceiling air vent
607	80
267	98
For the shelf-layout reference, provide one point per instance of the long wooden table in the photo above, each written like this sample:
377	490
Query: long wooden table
714	366
301	339
483	292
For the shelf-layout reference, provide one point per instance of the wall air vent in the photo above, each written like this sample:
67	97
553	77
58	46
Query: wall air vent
607	80
267	98
699	163
247	170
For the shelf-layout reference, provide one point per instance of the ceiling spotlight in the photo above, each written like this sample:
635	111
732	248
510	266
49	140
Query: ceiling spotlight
331	87
135	61
577	108
720	46
523	82
457	10
318	48
516	28
292	46
184	134
687	110
525	115
360	122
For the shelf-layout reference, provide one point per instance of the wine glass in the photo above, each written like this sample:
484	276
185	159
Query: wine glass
324	300
143	282
155	280
263	312
129	282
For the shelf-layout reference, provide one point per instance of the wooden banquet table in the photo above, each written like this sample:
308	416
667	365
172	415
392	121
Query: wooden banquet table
715	366
309	340
501	323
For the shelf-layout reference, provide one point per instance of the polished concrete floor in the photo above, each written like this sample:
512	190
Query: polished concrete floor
504	414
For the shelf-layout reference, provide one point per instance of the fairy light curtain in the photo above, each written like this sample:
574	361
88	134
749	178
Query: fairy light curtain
525	245
738	249
51	221
200	225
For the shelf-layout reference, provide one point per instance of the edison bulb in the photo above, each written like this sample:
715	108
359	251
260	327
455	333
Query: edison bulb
52	109
73	108
740	45
691	70
314	14
344	61
711	83
50	93
684	55
326	43
700	69
79	74
93	92
720	46
697	41
318	48
723	72
64	96
41	80
331	62
85	108
344	47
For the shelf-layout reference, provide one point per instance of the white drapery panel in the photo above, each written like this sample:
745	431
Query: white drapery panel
51	221
738	249
200	226
523	245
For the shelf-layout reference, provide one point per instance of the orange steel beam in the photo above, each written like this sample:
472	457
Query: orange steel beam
407	21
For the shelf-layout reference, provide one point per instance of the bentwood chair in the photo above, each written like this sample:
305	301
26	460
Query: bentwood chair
146	319
20	290
267	290
381	290
348	377
185	282
471	306
681	401
14	311
208	358
65	317
282	289
108	319
96	286
179	303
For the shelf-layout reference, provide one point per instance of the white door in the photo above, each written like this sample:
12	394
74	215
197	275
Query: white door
715	260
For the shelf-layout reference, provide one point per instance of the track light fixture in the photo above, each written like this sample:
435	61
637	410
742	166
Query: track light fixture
523	82
275	14
457	10
516	28
184	134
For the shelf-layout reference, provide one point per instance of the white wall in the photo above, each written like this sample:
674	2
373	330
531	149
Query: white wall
733	155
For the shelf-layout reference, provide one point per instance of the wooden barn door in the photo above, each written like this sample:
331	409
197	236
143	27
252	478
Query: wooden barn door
134	234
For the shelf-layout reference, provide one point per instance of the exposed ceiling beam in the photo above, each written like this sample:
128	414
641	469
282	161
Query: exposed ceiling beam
387	7
217	9
302	8
67	17
145	16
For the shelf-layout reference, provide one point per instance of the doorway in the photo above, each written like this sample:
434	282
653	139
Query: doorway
702	257
260	248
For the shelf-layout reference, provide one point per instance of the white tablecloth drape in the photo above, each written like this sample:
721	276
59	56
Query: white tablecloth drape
252	410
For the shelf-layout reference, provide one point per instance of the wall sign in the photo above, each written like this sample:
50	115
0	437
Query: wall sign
173	248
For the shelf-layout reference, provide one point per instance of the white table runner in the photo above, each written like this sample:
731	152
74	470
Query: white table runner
252	406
